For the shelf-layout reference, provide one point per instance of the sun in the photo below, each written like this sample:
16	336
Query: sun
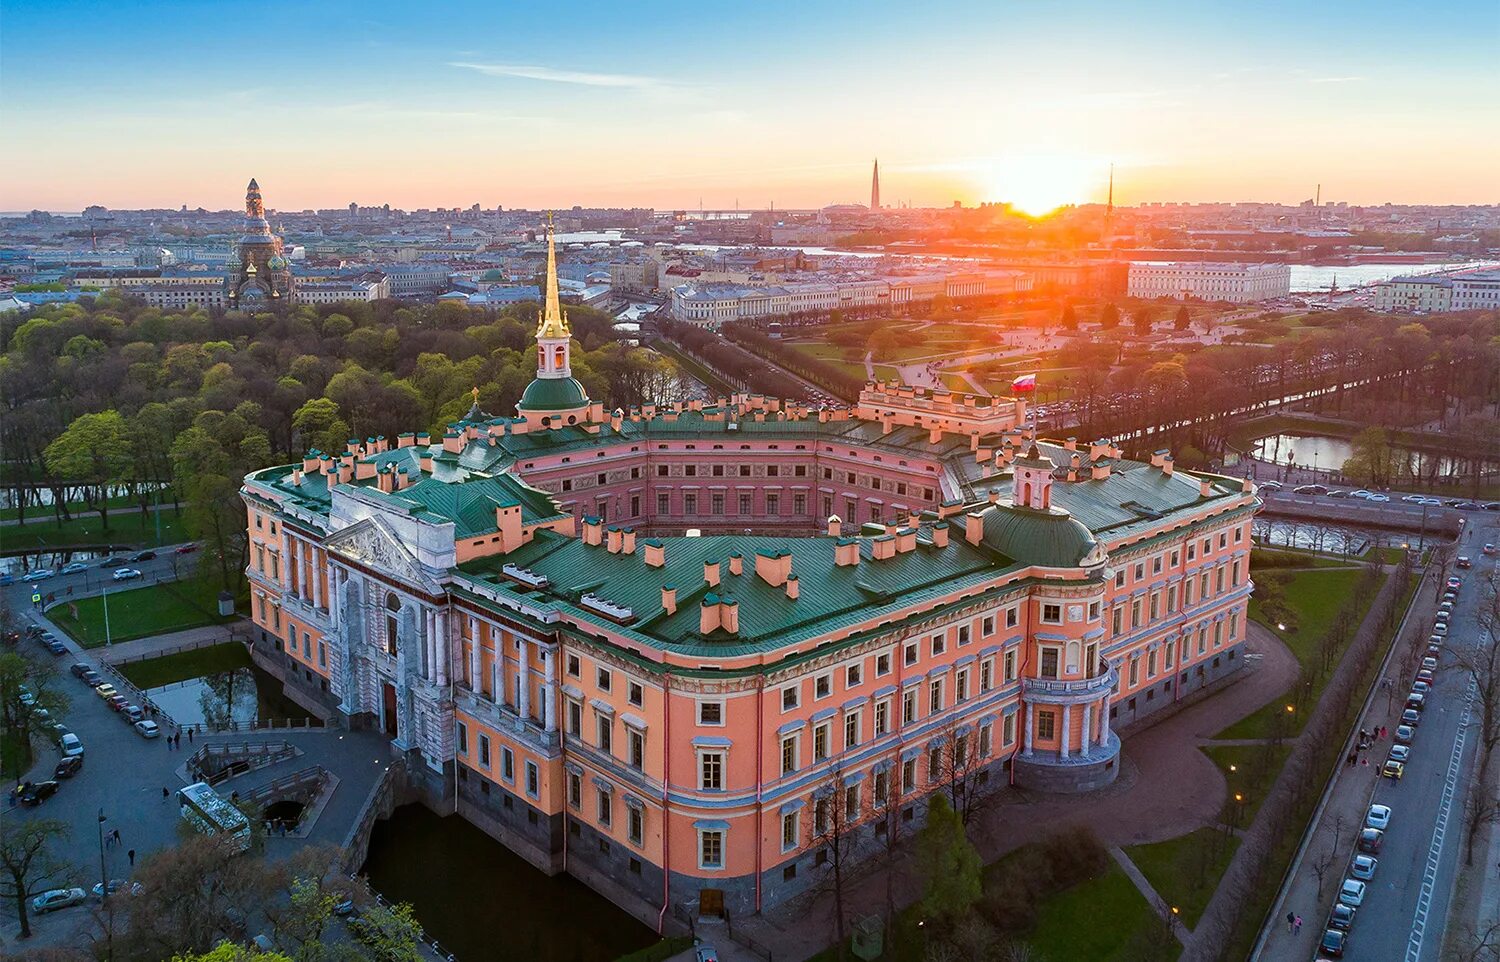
1038	184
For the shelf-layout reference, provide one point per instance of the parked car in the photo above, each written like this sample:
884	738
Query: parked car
1490	549
1416	701
1378	498
6	579
115	885
68	767
1454	583
1464	562
1426	675
1421	687
55	899
70	745
92	678
143	556
1430	664
74	568
1334	942
40	574
126	574
703	952
1440	629
1270	485
105	690
188	548
1393	769
1379	816
40	792
1310	489
113	561
1411	717
146	728
132	713
1352	892
1370	840
1342	917
1363	867
55	646
116	701
78	669
1338	494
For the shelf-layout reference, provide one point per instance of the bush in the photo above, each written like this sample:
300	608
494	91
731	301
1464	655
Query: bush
1009	904
1075	857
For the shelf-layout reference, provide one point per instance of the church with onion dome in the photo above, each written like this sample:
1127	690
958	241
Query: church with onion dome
259	276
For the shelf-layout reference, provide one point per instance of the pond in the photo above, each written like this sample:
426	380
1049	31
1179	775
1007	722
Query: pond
225	699
483	902
1347	540
1329	454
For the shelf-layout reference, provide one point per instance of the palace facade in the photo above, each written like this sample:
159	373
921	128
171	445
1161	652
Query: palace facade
670	650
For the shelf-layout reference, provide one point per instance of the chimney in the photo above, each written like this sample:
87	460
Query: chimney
593	530
453	442
616	419
401	479
994	495
1205	488
1158	458
792	589
326	465
974	528
1099	470
773	568
364	470
655	553
627	541
883	547
834	526
711	572
940	534
346	473
1166	465
934	435
406	440
1071	444
384	480
736	563
846	552
1098	449
310	461
1246	485
425	461
423	438
729	616
297	477
669	599
708	614
613	539
351	446
906	540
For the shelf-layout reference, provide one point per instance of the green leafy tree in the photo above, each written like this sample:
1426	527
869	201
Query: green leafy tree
29	697
94	451
1183	320
1109	317
1069	319
229	952
950	865
1143	318
318	425
388	933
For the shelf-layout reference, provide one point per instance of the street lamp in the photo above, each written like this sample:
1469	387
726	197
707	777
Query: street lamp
103	872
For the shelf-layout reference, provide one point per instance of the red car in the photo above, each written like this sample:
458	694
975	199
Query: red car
116	701
188	548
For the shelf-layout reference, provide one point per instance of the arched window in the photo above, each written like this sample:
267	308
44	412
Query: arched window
541	357
1073	655
561	355
392	609
1026	493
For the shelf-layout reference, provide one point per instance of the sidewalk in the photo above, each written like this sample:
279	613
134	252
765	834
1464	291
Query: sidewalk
173	641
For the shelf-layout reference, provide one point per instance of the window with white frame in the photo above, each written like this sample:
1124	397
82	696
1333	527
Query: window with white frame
790	830
711	713
1051	613
854	675
711	771
882	717
789	753
823	685
791	697
820	742
851	729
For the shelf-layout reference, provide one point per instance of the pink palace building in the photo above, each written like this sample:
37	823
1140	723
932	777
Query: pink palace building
669	650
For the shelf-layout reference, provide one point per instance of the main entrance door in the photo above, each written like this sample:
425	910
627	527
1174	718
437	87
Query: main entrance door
389	693
711	902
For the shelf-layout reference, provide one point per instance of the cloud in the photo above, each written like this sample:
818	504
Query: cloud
1336	80
554	75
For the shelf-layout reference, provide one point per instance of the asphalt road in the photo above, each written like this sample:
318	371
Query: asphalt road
168	565
1407	901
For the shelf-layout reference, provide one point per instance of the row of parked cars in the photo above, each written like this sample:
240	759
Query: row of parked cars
118	562
133	714
1361	872
1377	497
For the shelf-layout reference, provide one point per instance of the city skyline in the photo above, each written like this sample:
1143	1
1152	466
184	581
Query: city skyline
369	104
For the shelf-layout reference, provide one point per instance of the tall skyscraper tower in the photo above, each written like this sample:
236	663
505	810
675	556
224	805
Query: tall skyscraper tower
875	187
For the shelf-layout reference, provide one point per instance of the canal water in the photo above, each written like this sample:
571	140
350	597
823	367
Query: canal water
225	698
484	903
1329	454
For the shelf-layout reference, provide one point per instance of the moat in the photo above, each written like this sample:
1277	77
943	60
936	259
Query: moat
483	902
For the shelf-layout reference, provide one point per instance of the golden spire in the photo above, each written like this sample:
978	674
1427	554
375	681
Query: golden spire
553	323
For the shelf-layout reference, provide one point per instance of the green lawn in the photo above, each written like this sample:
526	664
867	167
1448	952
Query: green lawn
182	665
139	612
1186	870
125	530
1315	596
1097	920
1249	770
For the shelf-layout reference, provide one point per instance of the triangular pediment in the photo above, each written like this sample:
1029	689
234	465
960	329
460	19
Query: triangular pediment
372	543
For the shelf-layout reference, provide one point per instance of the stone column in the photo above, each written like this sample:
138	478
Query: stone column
1104	721
1087	735
304	552
523	678
1062	734
286	562
549	691
1026	732
333	593
319	565
442	647
474	683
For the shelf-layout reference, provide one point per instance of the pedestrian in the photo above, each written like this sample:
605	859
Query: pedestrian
190	736
131	855
1297	926
117	836
165	794
109	840
1291	920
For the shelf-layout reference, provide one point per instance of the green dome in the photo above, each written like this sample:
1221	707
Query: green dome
553	394
1051	538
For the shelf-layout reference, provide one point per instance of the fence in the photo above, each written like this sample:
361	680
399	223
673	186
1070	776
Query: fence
357	842
151	709
260	754
308	723
426	944
311	775
229	636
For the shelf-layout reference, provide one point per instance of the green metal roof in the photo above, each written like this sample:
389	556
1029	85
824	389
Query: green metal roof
1050	538
553	394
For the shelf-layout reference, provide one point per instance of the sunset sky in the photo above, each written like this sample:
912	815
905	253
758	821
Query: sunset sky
664	104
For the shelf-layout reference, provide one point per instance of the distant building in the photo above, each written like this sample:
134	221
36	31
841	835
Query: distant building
175	296
1236	283
258	273
634	275
334	291
1473	290
712	304
408	280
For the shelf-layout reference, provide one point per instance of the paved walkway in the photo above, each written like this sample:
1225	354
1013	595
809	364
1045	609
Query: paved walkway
1166	788
43	514
172	641
1143	885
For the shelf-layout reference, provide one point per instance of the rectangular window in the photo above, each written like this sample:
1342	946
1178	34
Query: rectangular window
986	741
533	779
484	751
507	764
1168	655
573	667
961	686
1046	724
935	696
1135	613
790	697
710	713
853	676
882	665
987	626
606	810
789	831
1010	665
717	504
575	790
963	635
934	763
882	718
663	503
822	686
745	503
637	821
637	694
1050	659
908	706
575	719
820	742
711	850
908	776
882	787
939	645
606	731
909	653
1008	731
463	739
1093	611
1119	620
1051	613
605	679
637	747
851	729
1012	616
712	768
986	674
789	754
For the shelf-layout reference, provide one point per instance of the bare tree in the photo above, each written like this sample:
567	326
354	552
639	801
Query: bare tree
27	866
1475	943
963	769
837	812
1322	863
1481	661
887	815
